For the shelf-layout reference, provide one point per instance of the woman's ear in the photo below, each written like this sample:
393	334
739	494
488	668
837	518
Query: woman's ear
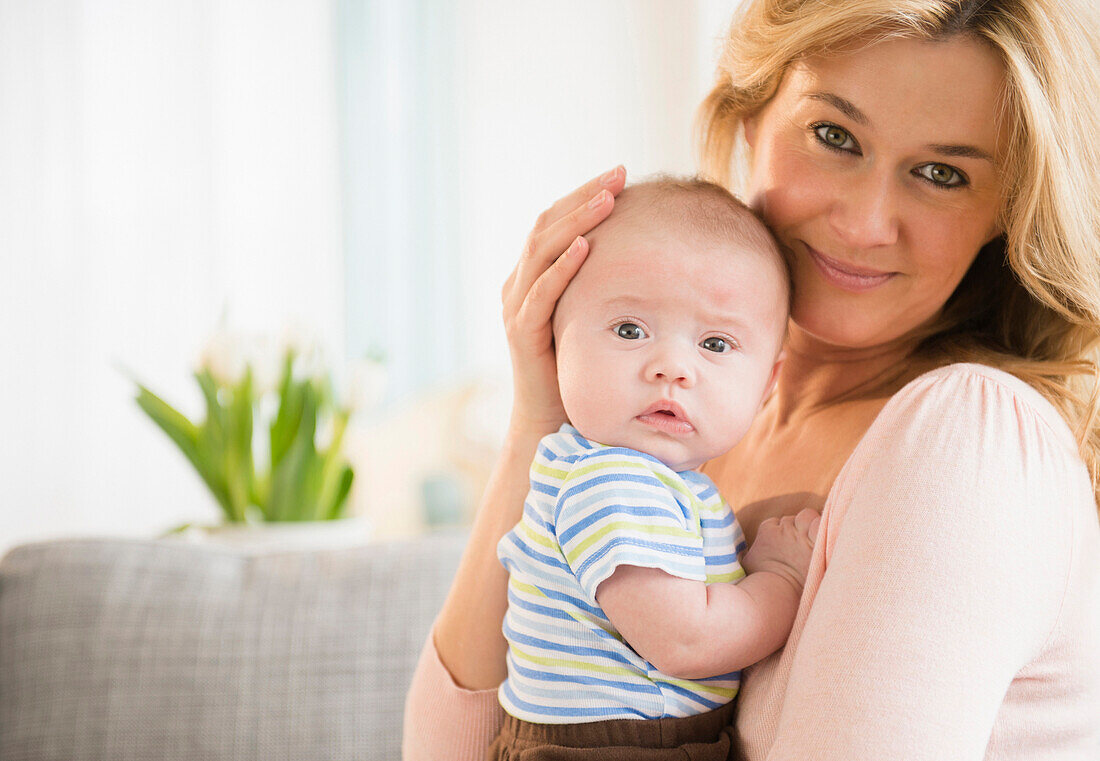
749	125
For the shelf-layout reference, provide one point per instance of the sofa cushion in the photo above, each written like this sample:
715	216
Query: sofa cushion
117	649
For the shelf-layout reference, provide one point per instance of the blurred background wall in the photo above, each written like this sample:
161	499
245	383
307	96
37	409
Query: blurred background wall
362	171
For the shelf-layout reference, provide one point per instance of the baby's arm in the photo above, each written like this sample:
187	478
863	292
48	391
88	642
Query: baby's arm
692	630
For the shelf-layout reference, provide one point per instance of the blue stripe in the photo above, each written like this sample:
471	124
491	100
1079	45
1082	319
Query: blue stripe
530	552
629	541
532	708
627	452
595	635
545	610
713	523
576	602
558	647
688	693
626	510
645	687
550	491
616	478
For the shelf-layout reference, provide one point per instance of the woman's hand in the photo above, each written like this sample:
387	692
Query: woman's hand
467	633
554	252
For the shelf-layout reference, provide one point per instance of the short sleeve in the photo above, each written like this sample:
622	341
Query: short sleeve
615	508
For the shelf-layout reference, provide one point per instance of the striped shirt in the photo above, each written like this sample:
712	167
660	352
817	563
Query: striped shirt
590	509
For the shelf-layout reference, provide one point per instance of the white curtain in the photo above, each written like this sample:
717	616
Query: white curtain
159	160
368	167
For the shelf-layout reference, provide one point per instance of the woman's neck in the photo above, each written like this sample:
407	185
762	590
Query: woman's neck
816	375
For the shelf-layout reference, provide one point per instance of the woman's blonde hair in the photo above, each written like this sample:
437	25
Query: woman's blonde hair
1030	303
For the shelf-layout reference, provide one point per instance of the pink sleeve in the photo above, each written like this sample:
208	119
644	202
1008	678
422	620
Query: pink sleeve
947	542
443	720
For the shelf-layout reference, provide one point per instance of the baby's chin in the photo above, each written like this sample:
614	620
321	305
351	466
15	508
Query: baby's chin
677	454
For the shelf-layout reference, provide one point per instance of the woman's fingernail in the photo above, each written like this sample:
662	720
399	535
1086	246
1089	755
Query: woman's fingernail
609	177
598	199
574	247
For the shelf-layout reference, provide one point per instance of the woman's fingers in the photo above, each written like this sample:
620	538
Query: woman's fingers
612	181
556	228
543	295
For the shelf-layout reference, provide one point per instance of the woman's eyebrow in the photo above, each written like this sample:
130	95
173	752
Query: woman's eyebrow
962	151
849	109
846	107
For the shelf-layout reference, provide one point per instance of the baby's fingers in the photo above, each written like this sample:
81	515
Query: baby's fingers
543	295
807	523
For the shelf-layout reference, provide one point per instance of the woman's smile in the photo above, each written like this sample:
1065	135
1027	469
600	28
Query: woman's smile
848	276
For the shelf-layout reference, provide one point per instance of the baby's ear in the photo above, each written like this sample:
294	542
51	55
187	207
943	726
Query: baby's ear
774	376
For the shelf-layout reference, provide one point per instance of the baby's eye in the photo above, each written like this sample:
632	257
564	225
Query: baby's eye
716	344
943	175
629	331
835	137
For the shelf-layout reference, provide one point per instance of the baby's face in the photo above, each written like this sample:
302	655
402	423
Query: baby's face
668	345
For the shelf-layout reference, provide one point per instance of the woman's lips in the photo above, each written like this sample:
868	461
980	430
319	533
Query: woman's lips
846	276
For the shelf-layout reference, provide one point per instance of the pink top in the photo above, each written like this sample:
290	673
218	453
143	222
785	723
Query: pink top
952	607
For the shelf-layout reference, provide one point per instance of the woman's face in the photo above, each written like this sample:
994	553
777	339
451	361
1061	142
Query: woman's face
878	171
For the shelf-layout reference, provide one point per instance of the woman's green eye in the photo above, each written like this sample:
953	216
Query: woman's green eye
941	174
834	137
629	331
715	344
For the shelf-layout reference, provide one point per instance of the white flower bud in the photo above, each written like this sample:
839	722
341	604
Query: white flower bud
366	385
224	356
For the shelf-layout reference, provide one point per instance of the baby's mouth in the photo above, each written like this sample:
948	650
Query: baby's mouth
667	416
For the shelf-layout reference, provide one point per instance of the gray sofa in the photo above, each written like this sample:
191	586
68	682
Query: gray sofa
145	650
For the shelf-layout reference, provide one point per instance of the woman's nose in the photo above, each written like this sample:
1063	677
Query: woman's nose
670	365
865	214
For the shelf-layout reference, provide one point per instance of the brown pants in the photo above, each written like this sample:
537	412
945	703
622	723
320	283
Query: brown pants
707	737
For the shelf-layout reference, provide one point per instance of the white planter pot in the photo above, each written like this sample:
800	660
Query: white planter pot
280	537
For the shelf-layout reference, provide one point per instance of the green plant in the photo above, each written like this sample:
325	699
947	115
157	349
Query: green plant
299	481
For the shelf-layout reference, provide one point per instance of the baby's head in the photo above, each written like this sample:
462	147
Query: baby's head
668	338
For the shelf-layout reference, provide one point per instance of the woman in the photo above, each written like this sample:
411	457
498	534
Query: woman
932	167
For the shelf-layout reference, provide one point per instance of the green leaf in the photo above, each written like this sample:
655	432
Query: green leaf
332	465
174	423
238	450
212	445
289	415
185	434
292	479
336	507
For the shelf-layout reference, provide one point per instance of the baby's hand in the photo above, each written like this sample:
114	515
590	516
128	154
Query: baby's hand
783	546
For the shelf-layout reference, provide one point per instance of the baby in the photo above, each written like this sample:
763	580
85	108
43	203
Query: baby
628	596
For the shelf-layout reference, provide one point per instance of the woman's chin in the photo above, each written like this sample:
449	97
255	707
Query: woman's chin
841	329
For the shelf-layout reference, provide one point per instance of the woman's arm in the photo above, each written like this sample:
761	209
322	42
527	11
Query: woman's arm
466	649
468	631
946	550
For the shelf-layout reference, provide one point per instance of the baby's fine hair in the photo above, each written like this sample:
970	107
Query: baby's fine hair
695	208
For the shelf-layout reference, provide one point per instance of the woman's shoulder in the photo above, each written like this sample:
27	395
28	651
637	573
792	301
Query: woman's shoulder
970	397
972	433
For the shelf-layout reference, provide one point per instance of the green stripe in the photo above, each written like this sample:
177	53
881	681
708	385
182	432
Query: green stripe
725	692
716	578
577	616
636	528
579	665
538	538
548	471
